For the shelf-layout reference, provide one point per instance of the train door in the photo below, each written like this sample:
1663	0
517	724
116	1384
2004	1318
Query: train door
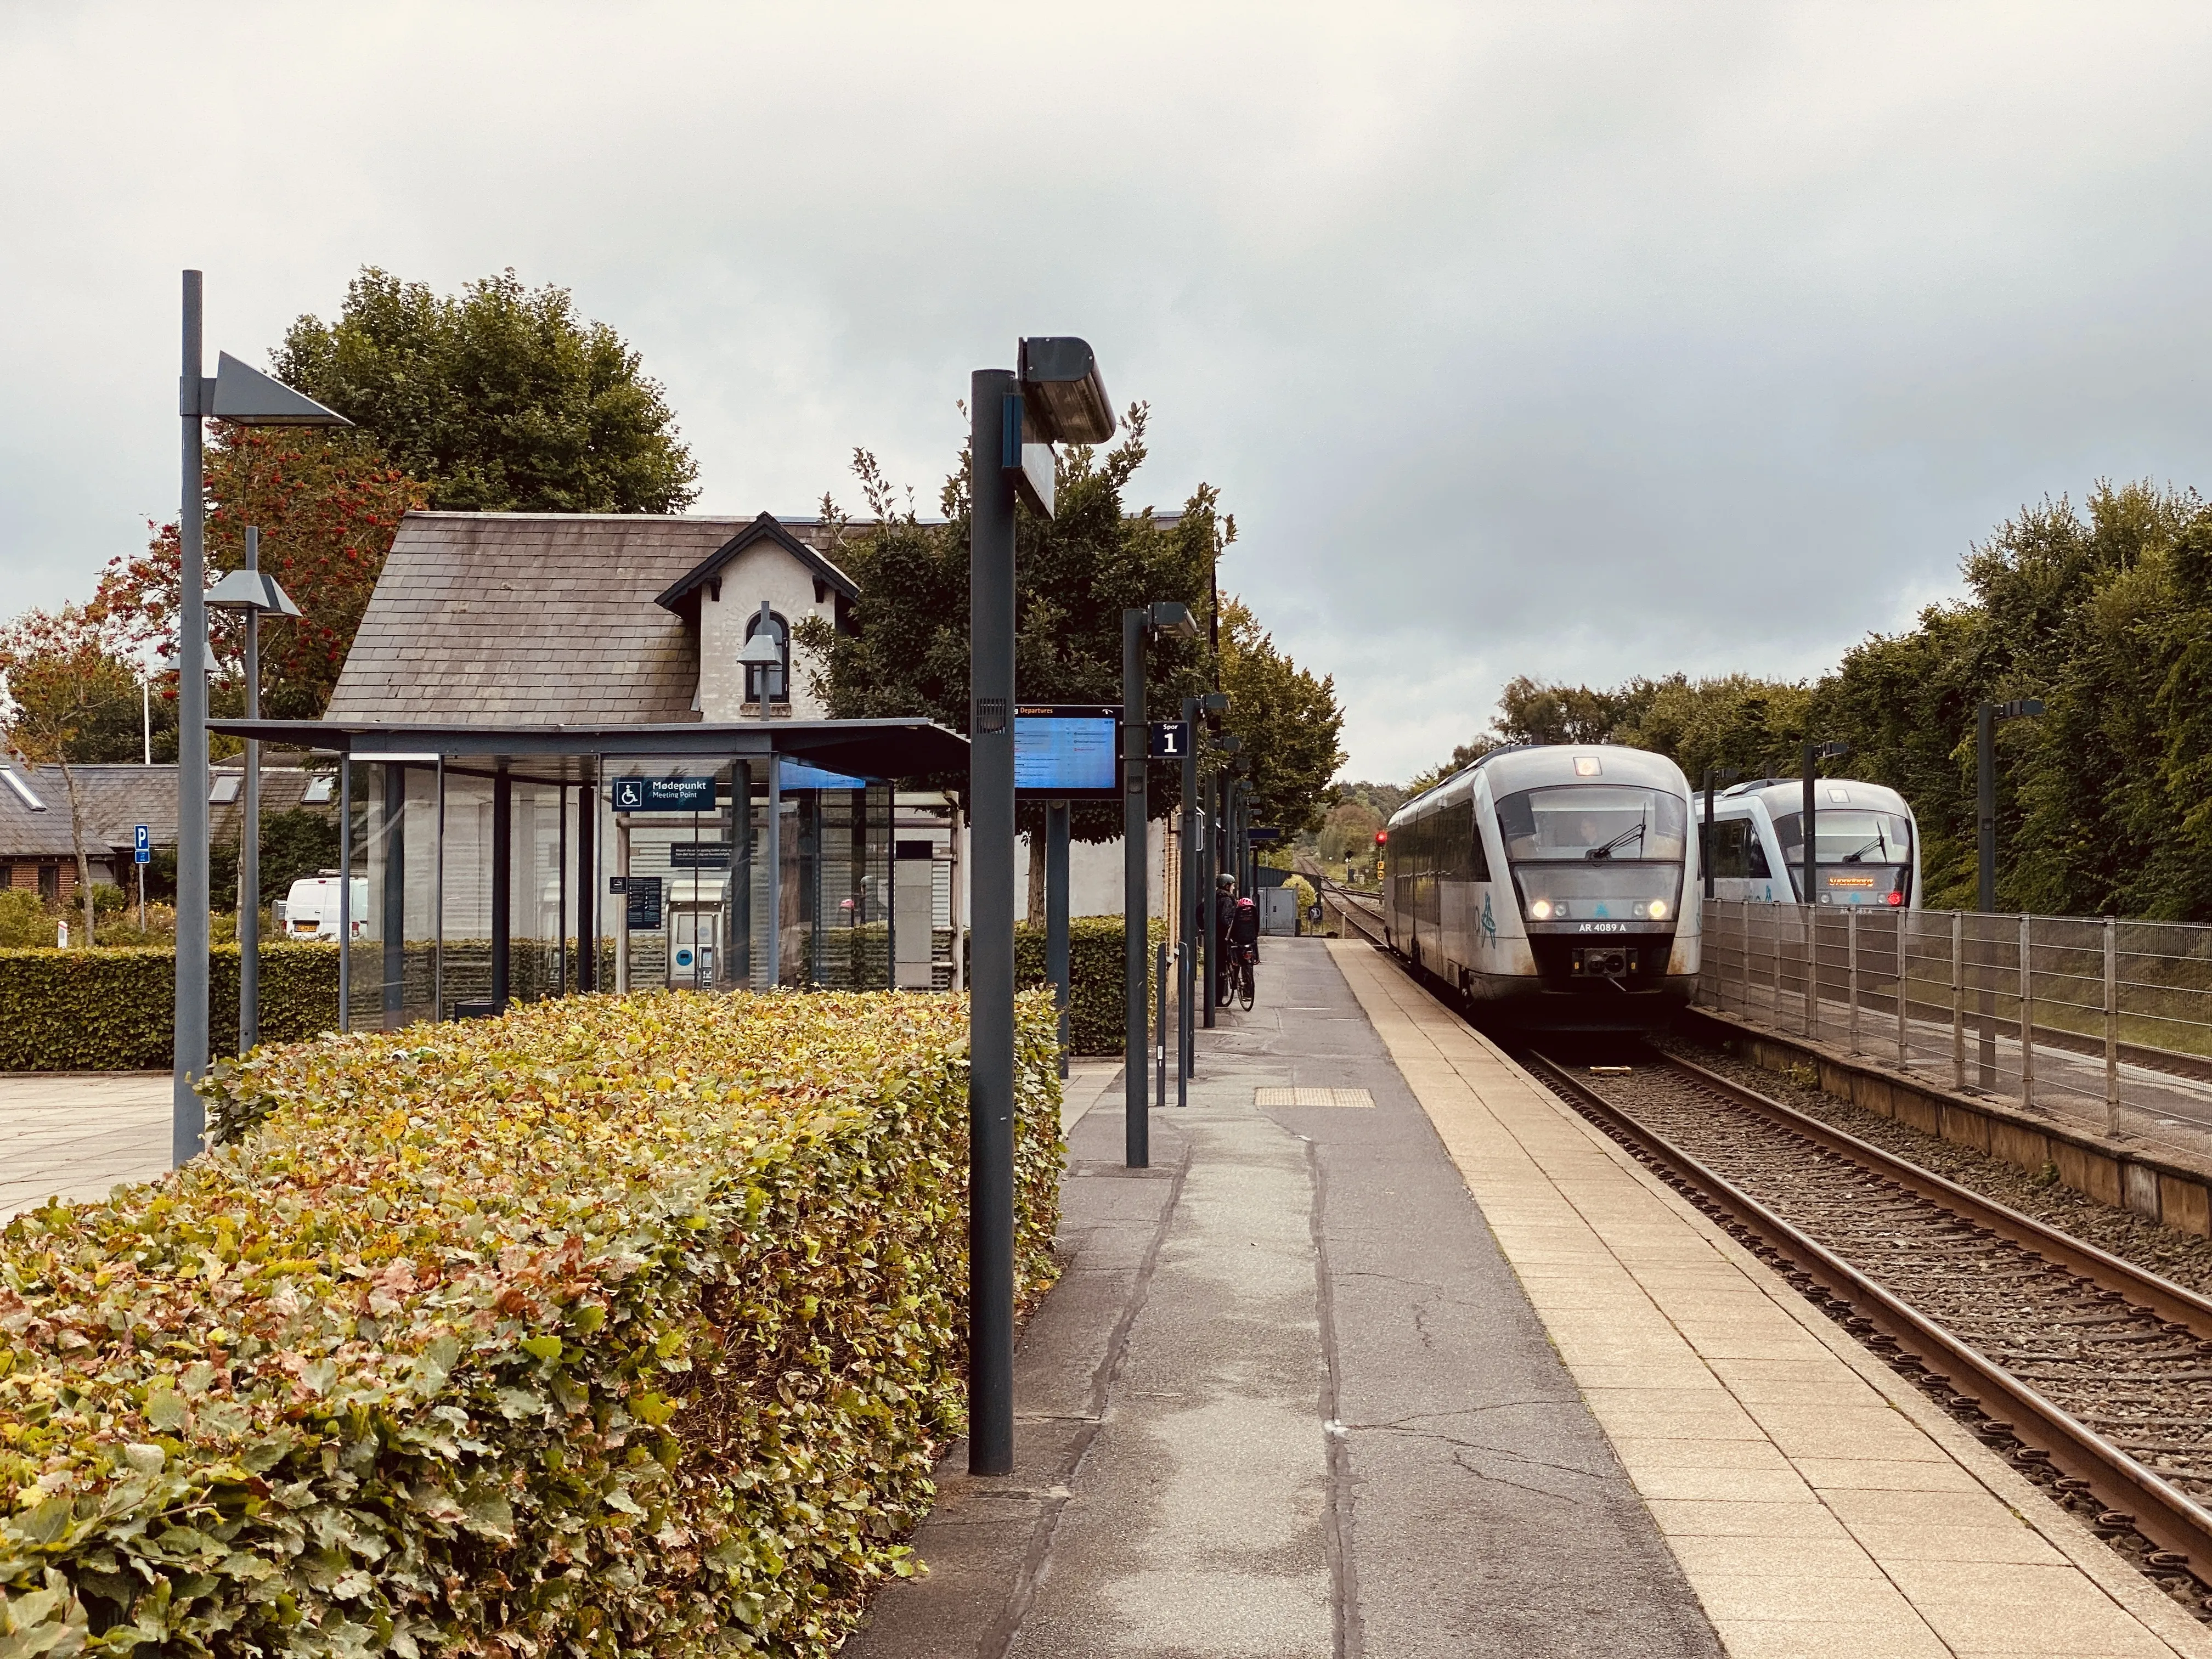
1745	865
693	933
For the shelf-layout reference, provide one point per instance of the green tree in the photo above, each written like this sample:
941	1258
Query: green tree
57	679
1285	718
907	652
501	397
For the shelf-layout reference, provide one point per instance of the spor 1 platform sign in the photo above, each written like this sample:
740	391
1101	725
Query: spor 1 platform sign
663	795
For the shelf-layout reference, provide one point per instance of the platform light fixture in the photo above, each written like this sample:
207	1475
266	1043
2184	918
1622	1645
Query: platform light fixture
243	396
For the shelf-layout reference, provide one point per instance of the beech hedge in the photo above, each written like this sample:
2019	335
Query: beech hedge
115	1010
1095	1014
617	1323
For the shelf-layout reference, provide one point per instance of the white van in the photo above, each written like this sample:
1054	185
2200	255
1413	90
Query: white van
310	910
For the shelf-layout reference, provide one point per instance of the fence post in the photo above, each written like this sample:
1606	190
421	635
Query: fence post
1904	946
1812	973
2026	1015
1743	938
1775	1012
1958	999
2112	1025
1852	971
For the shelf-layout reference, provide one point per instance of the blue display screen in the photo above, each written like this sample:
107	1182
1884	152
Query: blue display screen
1065	753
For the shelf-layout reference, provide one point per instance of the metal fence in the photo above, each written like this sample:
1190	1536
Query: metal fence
2051	1010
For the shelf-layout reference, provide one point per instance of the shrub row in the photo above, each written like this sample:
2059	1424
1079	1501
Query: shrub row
115	1010
1096	1016
616	1324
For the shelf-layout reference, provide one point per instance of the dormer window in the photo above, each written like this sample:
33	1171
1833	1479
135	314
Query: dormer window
778	676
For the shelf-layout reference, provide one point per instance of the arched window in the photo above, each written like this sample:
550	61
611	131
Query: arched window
778	677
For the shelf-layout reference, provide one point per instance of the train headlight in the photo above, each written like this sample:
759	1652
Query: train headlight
1658	911
1540	911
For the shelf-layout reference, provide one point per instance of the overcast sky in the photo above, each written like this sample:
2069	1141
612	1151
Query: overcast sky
1580	341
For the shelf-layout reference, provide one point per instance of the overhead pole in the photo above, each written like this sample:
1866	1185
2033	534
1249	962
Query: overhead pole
1135	908
993	402
1187	904
189	1052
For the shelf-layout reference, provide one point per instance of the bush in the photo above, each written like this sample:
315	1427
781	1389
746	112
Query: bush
25	925
116	1009
1096	1021
616	1324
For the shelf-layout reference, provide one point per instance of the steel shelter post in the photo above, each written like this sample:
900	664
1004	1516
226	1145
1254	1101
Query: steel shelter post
1213	850
502	885
1186	912
996	411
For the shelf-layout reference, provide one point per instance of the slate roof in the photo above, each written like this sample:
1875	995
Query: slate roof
117	798
536	619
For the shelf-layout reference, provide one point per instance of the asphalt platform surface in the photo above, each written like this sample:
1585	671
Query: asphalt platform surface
1288	1400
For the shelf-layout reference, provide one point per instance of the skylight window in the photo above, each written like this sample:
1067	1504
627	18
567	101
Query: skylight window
319	790
22	785
225	790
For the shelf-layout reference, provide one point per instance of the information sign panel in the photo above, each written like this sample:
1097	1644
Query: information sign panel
699	856
1170	739
143	842
642	896
1066	752
663	795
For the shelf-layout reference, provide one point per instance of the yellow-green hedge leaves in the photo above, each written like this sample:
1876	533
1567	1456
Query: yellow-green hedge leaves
614	1323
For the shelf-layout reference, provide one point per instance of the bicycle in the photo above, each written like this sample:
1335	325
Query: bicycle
1236	977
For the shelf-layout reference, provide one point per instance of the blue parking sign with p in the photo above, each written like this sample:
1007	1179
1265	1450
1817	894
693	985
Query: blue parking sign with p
143	844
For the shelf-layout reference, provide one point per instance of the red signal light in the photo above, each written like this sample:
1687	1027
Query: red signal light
1893	897
1380	836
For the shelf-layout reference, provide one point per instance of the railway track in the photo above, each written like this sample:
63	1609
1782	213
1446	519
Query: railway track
2090	1374
2093	1376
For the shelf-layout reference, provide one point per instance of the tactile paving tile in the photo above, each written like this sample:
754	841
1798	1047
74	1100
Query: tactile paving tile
1312	1097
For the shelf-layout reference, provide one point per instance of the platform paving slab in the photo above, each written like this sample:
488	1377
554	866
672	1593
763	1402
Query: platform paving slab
77	1134
1289	1400
1867	1522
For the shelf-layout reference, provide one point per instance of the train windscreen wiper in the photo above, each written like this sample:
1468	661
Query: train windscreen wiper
1634	832
1855	856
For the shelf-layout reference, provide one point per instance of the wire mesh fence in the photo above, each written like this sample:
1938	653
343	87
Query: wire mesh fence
2086	1018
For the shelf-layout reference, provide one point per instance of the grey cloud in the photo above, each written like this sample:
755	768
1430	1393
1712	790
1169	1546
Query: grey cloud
1577	341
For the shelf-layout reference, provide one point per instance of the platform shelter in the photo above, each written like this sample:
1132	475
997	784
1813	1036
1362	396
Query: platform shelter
487	864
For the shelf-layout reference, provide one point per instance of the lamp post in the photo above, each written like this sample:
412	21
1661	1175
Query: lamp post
1815	753
245	396
1054	395
1137	624
1713	774
1986	873
252	594
1195	869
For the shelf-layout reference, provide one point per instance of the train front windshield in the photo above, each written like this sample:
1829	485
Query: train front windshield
1583	854
1863	856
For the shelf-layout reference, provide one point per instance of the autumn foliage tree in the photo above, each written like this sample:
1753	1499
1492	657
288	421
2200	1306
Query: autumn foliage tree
60	676
327	506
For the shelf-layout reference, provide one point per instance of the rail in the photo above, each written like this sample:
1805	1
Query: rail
1837	1215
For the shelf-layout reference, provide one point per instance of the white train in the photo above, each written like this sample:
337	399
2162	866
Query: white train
1551	887
1866	843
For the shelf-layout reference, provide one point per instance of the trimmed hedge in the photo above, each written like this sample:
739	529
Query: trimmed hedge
618	1323
112	1010
1095	1015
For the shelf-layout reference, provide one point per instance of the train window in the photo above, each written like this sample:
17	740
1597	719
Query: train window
1578	821
1738	853
1848	835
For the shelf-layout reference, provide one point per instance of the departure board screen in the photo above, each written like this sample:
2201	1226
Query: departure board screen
1063	752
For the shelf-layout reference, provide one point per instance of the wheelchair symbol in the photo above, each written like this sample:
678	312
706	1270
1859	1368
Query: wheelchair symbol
629	792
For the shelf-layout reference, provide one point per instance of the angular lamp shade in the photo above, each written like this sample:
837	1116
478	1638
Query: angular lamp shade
1175	617
1062	392
247	397
250	590
762	651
